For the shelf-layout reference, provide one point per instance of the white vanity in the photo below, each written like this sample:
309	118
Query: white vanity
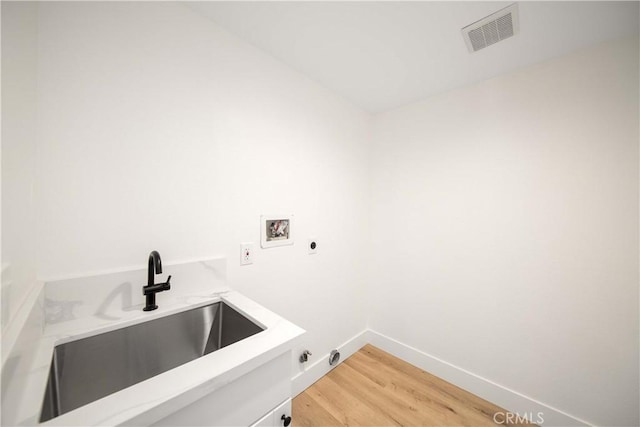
236	380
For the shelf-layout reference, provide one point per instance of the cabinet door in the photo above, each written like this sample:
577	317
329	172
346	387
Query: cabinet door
240	402
266	421
284	410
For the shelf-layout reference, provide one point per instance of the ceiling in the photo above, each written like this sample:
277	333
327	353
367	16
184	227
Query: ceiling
381	55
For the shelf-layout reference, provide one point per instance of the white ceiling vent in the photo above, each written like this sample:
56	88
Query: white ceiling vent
492	29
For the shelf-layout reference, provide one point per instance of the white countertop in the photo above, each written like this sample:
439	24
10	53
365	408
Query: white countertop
155	398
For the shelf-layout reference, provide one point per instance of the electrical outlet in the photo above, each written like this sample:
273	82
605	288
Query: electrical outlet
246	253
312	245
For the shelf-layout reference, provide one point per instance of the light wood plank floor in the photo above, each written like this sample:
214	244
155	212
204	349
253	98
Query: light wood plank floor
374	388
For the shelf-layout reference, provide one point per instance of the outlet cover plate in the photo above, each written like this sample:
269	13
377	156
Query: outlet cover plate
246	253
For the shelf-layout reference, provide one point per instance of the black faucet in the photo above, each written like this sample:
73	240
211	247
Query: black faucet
150	291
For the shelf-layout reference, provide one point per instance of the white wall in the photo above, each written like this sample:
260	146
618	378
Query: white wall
505	226
19	58
503	217
158	130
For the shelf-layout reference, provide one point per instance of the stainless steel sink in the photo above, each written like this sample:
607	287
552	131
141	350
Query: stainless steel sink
88	369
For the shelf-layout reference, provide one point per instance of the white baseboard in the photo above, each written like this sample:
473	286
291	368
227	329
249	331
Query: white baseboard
318	369
502	396
511	400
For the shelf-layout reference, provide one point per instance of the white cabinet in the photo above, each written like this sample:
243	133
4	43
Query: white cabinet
284	410
276	417
266	421
242	401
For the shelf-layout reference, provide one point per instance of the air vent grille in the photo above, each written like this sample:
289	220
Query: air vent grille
491	29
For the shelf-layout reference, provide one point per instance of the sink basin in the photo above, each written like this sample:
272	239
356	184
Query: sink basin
88	369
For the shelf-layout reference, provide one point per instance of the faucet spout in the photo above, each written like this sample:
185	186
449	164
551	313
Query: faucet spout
155	267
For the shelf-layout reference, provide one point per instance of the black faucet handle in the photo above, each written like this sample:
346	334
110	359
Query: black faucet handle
167	285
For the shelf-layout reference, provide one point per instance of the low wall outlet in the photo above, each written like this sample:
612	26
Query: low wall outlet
312	245
246	253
